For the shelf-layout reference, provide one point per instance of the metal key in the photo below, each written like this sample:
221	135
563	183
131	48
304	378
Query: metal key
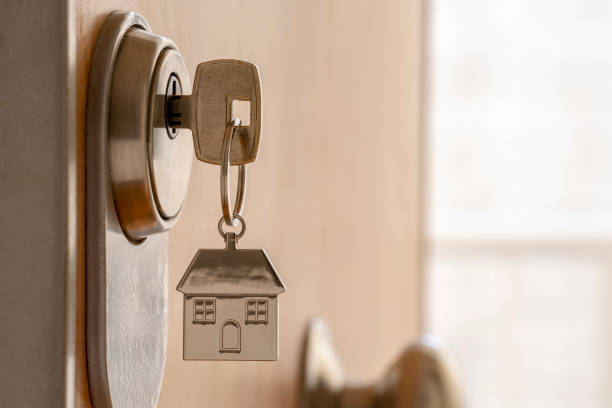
223	90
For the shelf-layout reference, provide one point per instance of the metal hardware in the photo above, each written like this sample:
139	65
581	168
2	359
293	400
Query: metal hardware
149	171
228	216
420	378
243	286
217	85
173	90
137	177
242	227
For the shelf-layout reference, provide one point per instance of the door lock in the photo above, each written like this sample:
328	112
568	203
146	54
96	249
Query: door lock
152	108
149	165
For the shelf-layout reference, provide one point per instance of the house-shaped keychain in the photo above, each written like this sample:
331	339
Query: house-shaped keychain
230	305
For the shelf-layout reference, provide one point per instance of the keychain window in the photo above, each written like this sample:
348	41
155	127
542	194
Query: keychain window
204	311
256	311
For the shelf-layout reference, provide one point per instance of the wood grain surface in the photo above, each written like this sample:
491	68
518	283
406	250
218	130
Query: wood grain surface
334	196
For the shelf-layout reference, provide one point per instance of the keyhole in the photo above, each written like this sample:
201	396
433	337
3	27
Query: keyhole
173	116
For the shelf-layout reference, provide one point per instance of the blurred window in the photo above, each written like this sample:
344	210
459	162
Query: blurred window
519	201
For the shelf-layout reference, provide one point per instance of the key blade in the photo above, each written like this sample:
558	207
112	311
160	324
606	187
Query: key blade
217	85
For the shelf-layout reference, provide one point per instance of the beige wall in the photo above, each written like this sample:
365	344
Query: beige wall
334	196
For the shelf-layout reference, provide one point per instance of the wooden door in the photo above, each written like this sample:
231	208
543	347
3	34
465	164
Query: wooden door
334	196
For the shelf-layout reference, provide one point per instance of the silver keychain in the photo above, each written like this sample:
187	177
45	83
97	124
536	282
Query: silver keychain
230	295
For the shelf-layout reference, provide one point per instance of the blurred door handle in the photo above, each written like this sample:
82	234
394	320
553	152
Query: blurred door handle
420	378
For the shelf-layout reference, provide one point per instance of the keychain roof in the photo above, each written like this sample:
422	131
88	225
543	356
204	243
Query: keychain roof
231	271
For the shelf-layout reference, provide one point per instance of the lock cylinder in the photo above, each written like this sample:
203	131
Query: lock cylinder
150	159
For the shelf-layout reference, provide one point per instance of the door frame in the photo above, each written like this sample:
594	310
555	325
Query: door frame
39	178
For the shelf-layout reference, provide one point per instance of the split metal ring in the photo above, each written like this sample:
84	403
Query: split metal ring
242	228
228	215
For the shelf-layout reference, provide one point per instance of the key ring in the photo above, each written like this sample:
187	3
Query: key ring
229	216
242	228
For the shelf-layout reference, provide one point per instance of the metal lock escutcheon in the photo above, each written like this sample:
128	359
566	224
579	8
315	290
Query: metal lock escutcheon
149	166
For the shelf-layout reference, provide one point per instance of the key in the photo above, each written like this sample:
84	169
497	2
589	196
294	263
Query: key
223	90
